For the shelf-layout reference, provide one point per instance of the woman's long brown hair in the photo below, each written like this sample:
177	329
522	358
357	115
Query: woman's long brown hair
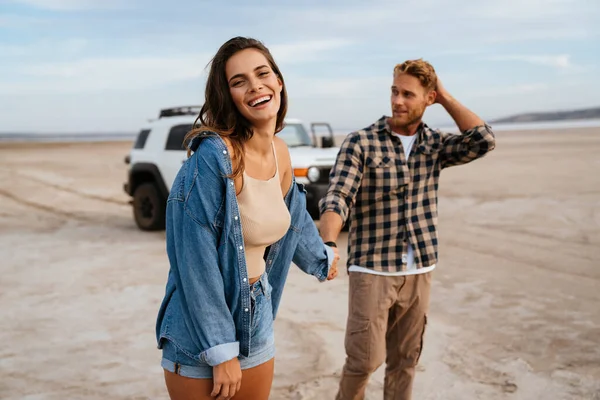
219	113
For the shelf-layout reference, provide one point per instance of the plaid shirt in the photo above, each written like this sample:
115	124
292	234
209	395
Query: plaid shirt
394	200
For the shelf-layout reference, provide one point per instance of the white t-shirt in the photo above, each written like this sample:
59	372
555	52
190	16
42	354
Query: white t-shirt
407	144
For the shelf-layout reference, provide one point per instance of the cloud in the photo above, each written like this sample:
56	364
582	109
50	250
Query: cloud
561	61
530	33
17	21
518	10
510	90
364	15
13	51
304	51
101	74
418	24
458	52
125	73
351	87
44	48
74	5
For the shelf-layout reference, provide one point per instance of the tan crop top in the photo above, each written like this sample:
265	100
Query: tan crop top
264	215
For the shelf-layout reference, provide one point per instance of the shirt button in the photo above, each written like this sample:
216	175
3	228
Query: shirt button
231	183
224	151
244	280
236	217
241	247
246	310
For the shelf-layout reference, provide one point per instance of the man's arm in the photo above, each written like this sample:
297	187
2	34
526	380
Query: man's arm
464	118
344	182
476	138
331	224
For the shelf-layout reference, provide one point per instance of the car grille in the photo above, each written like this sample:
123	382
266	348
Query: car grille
324	178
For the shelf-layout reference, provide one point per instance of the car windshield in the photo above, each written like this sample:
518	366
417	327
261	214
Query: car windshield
295	135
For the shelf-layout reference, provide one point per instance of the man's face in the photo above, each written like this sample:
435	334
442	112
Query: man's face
409	100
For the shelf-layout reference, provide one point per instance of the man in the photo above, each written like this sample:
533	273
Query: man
387	176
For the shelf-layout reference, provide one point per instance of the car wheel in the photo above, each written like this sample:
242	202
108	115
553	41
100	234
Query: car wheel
149	207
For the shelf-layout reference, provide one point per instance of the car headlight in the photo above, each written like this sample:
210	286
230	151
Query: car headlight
313	174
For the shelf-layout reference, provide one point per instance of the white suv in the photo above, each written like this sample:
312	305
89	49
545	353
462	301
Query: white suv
158	153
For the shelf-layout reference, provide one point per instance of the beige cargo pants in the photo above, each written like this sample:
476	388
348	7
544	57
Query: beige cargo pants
387	317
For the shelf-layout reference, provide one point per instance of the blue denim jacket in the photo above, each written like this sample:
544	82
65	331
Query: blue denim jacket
206	308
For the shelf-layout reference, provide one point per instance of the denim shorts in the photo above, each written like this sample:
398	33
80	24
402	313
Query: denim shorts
262	339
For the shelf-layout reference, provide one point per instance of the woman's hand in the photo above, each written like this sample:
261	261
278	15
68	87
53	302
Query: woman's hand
333	271
227	379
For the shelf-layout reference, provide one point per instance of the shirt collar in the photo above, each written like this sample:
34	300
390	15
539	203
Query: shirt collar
382	126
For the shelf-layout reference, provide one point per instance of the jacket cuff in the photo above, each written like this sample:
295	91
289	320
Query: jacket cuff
219	354
330	256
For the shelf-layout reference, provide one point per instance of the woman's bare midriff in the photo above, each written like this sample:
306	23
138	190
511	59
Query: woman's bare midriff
253	280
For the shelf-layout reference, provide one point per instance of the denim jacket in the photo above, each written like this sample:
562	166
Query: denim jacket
206	308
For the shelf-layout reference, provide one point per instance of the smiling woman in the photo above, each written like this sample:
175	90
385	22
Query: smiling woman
239	64
255	88
235	220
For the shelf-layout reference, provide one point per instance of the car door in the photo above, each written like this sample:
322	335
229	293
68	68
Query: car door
175	153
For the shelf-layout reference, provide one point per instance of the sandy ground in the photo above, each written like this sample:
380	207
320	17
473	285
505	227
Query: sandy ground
515	308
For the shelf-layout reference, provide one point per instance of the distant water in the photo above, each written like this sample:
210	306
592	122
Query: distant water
547	125
130	136
67	137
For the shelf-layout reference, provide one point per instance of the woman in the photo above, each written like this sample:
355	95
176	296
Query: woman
236	220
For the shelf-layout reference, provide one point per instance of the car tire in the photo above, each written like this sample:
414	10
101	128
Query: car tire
149	207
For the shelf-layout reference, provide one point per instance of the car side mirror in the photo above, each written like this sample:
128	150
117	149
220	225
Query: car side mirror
326	142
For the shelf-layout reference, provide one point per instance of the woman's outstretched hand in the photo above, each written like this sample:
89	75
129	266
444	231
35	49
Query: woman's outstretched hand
333	271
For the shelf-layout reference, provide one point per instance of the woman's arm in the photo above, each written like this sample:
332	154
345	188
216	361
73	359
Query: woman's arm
311	255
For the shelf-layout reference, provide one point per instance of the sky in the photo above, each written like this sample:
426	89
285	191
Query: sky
109	65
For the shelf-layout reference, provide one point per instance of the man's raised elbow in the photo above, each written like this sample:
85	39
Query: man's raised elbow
491	142
489	138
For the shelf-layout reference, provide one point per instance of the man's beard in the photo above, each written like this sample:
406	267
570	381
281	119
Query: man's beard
411	119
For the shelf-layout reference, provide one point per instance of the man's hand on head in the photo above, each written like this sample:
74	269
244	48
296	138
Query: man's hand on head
464	118
442	94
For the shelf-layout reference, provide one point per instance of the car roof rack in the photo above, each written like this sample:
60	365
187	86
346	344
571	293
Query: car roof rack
176	111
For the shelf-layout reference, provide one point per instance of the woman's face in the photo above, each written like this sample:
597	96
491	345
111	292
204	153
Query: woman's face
254	86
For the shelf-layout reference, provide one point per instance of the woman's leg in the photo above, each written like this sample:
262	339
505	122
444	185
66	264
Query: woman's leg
256	385
256	382
183	388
